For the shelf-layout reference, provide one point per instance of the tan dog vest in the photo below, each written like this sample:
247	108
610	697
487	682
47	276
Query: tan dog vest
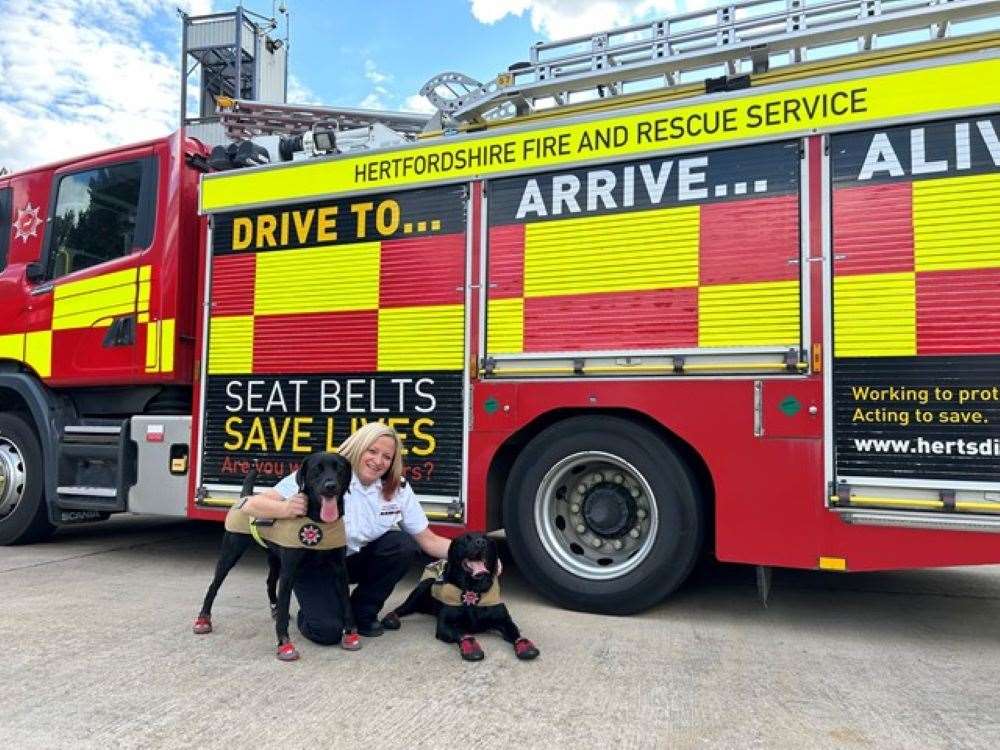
452	595
293	533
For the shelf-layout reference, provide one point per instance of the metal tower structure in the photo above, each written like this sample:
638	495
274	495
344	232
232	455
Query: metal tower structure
234	54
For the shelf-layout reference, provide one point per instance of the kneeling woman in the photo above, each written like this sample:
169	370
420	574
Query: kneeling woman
379	552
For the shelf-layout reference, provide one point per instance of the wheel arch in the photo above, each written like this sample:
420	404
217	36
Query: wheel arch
23	394
505	456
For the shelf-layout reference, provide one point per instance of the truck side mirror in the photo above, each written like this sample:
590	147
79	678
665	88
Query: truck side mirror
35	272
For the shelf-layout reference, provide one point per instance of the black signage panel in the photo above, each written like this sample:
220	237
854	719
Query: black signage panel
922	418
746	172
947	148
275	421
369	218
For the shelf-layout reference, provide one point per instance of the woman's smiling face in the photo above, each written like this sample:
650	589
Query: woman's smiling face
376	460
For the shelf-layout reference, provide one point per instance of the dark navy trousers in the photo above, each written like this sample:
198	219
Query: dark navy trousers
376	569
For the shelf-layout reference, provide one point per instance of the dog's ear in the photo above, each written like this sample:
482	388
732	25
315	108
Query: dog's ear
456	550
492	555
300	475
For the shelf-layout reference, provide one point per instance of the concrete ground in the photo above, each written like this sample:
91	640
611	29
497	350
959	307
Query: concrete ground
98	653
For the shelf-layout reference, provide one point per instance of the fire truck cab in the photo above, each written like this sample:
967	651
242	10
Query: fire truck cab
98	302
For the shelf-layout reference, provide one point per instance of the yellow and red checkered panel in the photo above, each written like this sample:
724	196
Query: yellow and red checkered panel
72	343
366	306
710	275
917	267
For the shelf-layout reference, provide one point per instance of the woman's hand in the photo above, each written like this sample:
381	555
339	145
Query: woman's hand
270	504
295	506
434	545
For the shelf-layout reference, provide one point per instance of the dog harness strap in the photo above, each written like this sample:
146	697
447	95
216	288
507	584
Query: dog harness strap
255	533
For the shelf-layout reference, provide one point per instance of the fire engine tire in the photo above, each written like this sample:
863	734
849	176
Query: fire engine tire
603	515
23	515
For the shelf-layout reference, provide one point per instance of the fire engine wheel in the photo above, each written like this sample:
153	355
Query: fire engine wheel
23	515
603	515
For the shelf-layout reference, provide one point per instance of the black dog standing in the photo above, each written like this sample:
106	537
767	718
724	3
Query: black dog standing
324	479
465	598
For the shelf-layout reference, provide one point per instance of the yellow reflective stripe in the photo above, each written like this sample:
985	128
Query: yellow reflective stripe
230	344
505	326
880	97
421	338
167	345
12	346
96	301
875	315
160	346
152	346
318	279
614	253
956	223
832	563
757	314
38	352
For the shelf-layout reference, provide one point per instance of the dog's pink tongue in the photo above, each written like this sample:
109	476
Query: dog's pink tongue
477	568
328	512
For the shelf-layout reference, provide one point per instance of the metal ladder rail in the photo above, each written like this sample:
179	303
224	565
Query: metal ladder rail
736	36
243	119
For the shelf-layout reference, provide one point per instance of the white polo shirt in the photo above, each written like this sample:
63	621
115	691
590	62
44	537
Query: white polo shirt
367	516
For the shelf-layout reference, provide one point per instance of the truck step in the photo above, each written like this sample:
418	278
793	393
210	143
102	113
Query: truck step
96	466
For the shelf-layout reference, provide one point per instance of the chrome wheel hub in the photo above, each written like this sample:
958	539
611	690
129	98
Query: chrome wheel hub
11	477
596	515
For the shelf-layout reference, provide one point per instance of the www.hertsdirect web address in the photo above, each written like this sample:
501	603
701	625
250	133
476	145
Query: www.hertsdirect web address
960	447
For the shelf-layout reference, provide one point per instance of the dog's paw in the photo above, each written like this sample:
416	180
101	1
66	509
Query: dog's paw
392	622
525	649
351	641
202	625
287	652
470	649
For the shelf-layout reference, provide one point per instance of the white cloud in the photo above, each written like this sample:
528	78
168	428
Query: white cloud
375	100
418	103
373	75
380	96
299	93
559	19
80	75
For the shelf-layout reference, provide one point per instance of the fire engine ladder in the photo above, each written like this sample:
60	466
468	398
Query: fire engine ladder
243	119
743	37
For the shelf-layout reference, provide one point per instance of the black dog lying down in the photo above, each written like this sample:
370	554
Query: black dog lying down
465	597
324	479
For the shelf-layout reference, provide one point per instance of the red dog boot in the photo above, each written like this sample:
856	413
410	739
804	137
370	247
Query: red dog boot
470	649
351	641
202	625
525	649
287	652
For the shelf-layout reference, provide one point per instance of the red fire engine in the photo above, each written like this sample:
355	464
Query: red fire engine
756	315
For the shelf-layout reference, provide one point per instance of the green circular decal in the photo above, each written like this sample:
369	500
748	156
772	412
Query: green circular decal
491	405
790	406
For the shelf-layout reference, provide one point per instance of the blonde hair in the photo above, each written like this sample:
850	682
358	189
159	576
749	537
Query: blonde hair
353	449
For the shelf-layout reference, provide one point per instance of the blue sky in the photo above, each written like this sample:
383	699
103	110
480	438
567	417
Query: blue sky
77	76
81	75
